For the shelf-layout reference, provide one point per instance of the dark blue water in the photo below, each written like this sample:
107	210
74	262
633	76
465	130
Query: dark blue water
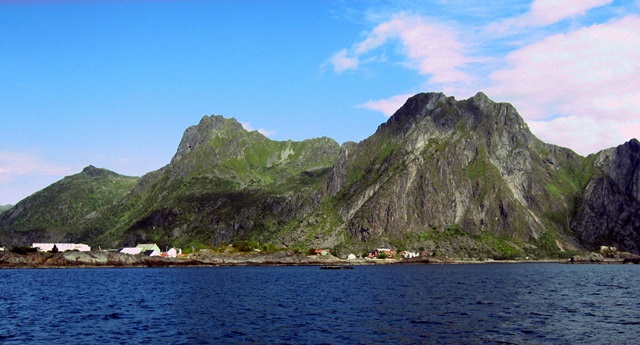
425	304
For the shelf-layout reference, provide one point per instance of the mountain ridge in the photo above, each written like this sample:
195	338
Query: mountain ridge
463	178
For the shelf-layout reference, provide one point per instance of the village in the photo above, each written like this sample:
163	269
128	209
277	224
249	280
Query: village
146	249
60	254
153	250
150	255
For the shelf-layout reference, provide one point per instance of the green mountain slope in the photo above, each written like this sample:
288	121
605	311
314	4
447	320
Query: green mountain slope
224	183
58	212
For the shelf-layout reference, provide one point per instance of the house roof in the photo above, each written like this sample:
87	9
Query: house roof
130	250
148	246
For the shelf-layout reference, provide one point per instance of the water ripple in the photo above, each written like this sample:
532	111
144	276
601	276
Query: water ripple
460	304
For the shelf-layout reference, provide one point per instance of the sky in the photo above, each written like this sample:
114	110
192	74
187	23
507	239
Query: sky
114	83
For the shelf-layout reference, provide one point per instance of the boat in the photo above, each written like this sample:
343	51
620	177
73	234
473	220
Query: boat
336	267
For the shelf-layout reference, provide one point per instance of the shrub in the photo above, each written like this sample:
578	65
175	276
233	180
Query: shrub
268	247
24	250
245	246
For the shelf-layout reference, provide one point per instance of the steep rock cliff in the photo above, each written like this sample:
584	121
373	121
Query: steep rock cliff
440	163
609	213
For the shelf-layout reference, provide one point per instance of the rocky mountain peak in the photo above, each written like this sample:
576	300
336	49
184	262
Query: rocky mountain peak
91	171
418	106
204	130
481	100
622	164
95	173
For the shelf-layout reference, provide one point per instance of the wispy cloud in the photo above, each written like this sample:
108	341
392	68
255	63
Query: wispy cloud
15	164
23	173
430	48
387	106
341	62
265	132
546	12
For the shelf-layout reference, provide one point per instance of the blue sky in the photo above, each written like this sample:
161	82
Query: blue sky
115	83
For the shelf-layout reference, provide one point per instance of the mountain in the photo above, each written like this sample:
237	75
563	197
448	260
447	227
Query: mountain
5	207
459	177
58	212
462	178
223	183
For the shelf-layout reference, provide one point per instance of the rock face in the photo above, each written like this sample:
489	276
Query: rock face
439	163
609	213
462	178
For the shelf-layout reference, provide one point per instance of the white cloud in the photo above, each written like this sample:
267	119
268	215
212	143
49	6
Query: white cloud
341	62
23	173
591	74
584	135
431	48
265	132
14	164
387	106
547	12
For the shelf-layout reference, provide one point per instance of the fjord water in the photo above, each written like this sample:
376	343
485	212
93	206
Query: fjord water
417	304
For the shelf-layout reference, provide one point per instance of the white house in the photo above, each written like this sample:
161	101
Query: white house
62	247
131	250
173	252
410	255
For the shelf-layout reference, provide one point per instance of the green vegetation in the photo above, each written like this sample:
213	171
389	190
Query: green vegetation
501	246
477	169
24	250
63	207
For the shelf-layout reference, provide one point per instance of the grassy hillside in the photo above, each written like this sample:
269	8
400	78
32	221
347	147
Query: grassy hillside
58	212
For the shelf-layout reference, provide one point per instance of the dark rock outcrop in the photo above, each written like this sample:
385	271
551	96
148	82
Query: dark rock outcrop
609	212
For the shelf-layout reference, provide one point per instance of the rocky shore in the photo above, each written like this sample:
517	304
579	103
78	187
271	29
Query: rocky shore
113	259
85	259
280	258
598	258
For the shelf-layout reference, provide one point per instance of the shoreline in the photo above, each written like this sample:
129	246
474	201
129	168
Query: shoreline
100	259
